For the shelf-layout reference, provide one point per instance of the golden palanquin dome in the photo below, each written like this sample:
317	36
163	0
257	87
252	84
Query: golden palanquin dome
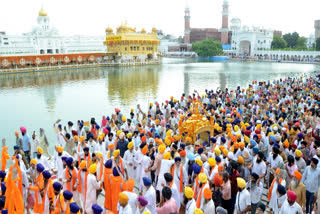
109	30
125	29
143	30
42	12
154	30
197	123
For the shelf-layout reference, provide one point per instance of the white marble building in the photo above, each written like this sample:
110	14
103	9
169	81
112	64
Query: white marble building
45	39
246	41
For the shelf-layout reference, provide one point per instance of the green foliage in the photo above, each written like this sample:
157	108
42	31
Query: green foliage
207	48
301	43
278	42
291	39
318	44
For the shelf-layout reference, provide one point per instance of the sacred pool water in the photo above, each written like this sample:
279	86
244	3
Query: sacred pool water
37	100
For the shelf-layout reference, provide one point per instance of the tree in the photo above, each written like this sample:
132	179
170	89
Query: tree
278	42
207	48
291	39
318	44
301	43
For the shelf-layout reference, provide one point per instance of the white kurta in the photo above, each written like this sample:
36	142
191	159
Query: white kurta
59	164
287	209
209	208
144	165
64	180
125	210
44	161
46	202
190	206
201	194
132	200
137	160
165	167
175	194
273	199
129	160
176	179
150	196
91	195
243	200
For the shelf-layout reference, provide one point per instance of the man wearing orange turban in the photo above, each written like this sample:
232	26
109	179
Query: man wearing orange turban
131	194
208	204
299	188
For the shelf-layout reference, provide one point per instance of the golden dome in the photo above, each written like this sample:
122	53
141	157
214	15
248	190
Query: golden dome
154	30
109	30
143	30
42	12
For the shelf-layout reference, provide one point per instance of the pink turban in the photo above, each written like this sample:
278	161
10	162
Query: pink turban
105	131
291	196
163	122
23	129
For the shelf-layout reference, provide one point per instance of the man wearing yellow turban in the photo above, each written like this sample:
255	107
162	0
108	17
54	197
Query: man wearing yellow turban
124	205
119	162
92	186
129	186
189	200
202	179
129	160
42	159
243	200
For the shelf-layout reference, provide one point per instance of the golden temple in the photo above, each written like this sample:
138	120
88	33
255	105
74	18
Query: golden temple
128	44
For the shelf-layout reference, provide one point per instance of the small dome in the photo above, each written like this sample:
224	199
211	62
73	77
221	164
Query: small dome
109	30
143	30
154	30
42	12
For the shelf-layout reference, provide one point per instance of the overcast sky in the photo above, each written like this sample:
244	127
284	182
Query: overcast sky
93	16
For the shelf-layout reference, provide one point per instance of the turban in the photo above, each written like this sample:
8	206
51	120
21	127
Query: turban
176	159
217	151
240	160
83	164
255	150
197	211
236	128
162	148
223	139
213	140
247	133
3	188
182	153
225	152
33	161
236	145
315	161
300	135
110	146
93	168
246	139
241	183
182	146
273	138
16	147
3	174
40	150
116	153
168	177
298	153
281	189
212	162
130	145
217	180
40	167
230	155
291	196
196	168
188	192
207	193
16	133
4	211
220	168
108	164
202	178
142	201
143	138
46	174
297	174
64	158
74	208
81	139
67	195
241	144
262	206
59	149
218	159
86	128
190	156
166	156
130	184
123	198
257	131
275	150
69	161
253	142
200	150
116	171
199	162
105	131
146	181
74	132
144	150
99	154
96	209
23	129
221	210
75	138
286	143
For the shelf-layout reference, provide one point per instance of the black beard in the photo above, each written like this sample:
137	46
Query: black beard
38	156
185	200
60	154
297	158
71	167
258	161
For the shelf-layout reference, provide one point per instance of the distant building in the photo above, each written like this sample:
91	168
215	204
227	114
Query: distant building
317	29
45	39
310	41
246	41
277	32
198	34
127	44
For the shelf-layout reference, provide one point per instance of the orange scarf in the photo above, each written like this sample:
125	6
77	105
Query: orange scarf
16	165
101	168
4	157
121	164
271	187
195	188
60	208
212	151
115	143
74	177
79	160
14	202
199	198
181	176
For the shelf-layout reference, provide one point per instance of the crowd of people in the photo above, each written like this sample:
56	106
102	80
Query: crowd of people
264	137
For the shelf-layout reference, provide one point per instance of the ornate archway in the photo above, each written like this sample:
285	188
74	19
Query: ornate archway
245	48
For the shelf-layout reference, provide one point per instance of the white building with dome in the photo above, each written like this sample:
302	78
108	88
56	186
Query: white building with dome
45	39
246	41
